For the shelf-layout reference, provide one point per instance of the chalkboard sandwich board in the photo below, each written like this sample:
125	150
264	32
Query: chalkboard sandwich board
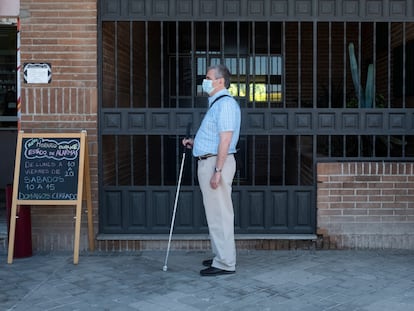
49	169
52	169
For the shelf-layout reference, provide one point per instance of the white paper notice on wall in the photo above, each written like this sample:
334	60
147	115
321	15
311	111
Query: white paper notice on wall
37	73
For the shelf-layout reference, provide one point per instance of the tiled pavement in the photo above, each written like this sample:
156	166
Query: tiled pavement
310	280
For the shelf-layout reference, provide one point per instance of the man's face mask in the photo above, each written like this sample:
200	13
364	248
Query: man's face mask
208	86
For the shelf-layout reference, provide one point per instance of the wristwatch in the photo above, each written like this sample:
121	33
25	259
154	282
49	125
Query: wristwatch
217	170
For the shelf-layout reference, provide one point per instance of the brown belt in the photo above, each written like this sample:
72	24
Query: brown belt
206	156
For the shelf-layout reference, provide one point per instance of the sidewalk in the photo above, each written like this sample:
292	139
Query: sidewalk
265	280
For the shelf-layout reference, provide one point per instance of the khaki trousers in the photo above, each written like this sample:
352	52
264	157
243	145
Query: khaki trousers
218	206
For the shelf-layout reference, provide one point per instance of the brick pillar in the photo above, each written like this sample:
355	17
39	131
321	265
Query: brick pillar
64	34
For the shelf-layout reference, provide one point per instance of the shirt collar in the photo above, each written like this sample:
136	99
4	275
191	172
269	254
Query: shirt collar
219	93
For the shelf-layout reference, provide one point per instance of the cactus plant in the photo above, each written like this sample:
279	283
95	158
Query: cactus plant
365	97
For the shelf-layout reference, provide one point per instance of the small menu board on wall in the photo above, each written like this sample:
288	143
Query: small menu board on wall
52	169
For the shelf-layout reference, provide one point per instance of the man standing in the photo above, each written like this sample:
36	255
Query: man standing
214	146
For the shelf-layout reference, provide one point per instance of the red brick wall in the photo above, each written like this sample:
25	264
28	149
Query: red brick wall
366	205
63	33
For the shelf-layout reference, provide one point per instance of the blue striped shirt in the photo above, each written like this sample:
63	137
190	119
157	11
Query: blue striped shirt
223	116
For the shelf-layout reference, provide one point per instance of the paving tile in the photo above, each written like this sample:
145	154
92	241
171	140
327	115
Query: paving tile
358	280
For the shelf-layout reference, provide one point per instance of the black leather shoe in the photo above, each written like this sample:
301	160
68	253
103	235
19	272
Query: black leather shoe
207	262
215	271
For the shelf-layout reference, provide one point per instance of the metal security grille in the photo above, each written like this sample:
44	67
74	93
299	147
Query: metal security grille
309	91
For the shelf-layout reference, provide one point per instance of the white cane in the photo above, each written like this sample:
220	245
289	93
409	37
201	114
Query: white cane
165	268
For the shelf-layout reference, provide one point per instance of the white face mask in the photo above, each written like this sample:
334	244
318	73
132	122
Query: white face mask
208	86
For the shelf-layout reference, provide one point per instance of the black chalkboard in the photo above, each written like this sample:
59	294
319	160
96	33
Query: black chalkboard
52	169
49	169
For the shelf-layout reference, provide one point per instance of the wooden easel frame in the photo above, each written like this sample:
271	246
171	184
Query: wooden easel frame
84	186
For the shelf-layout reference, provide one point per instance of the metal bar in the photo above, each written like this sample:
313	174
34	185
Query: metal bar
194	86
207	44
193	72
162	60
344	144
268	160
329	138
315	65
146	161
388	146
238	59
146	66
253	66
131	163
268	84
404	65
389	65
344	68
284	64
314	157
298	155
359	63
299	65
116	64
330	64
284	160
116	161
162	153
177	64
222	42
374	140
131	67
254	160
403	146
374	52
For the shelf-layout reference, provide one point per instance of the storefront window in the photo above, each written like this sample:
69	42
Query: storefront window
8	97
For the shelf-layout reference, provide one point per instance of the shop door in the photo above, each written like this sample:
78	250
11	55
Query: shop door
8	110
8	101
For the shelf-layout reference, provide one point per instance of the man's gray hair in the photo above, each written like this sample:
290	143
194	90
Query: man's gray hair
221	71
